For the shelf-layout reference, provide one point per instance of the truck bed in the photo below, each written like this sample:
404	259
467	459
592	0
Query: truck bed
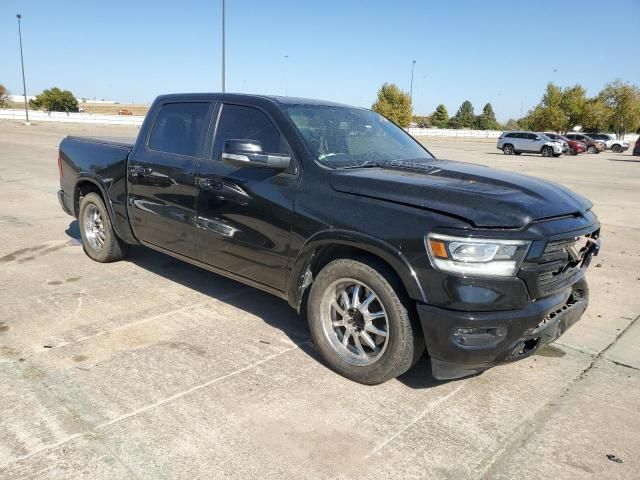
117	141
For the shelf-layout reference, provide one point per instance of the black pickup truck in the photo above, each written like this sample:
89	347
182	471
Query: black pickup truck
385	249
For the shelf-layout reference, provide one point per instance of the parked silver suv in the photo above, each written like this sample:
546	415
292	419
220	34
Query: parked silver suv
611	142
529	142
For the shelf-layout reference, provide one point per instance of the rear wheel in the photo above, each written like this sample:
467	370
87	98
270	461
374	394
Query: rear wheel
616	148
508	149
361	324
546	151
99	240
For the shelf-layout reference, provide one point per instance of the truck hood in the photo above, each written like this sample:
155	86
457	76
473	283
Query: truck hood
483	196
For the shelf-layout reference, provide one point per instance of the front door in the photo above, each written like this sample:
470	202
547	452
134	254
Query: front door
244	214
162	192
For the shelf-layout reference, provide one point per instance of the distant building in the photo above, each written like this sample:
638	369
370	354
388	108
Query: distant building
20	98
94	100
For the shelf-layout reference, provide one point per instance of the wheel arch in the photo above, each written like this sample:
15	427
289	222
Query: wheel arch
326	246
86	184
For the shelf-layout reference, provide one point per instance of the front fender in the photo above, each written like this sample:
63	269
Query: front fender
299	280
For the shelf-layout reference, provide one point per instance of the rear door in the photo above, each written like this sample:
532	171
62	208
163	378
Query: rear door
535	142
244	213
520	142
161	176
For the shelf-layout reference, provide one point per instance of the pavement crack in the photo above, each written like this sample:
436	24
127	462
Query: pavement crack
415	420
189	391
541	417
621	364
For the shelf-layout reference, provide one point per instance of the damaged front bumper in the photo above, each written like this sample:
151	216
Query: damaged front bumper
464	343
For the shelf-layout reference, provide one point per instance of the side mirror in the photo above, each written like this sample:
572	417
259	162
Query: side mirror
248	153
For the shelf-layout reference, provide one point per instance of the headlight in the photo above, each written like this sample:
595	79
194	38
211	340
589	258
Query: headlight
475	256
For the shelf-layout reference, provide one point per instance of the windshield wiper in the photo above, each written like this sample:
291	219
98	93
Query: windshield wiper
369	164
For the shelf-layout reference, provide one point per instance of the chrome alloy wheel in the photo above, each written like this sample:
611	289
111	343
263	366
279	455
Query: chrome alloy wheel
354	321
94	227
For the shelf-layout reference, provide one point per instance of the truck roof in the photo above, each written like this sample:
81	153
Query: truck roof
247	96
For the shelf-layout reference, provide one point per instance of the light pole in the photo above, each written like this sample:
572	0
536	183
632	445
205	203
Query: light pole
285	74
24	83
413	64
223	49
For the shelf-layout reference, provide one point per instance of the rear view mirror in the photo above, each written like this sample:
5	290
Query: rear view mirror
248	153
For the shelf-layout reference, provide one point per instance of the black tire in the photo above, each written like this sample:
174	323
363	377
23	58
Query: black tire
517	153
546	151
508	149
592	149
572	151
108	249
557	154
404	342
616	148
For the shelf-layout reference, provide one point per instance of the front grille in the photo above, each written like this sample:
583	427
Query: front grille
559	264
562	260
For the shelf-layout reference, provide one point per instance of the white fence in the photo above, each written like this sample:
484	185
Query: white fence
38	116
446	132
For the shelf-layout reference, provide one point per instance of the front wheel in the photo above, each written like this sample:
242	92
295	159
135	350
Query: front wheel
99	240
547	151
592	149
616	148
572	151
361	324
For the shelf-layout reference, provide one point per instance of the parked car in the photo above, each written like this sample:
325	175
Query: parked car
352	221
515	143
124	111
636	149
611	142
593	146
575	147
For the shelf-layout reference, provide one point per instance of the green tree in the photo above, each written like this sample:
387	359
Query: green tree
543	118
548	114
512	124
394	104
55	100
4	96
487	119
559	109
464	117
573	103
440	118
423	121
623	99
596	116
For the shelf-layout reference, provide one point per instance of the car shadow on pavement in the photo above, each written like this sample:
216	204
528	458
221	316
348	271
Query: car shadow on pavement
629	160
272	310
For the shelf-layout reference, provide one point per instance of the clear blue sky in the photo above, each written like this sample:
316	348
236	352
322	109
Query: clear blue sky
499	51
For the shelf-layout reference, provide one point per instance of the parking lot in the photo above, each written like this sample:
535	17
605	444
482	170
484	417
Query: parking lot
150	368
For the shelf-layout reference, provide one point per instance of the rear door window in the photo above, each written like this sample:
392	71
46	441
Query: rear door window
179	128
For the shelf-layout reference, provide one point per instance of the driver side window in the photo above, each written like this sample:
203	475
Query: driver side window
247	123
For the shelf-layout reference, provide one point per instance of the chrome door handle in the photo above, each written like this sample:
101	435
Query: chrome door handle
139	170
208	184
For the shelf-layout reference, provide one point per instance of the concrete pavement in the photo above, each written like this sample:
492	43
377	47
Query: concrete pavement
151	368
